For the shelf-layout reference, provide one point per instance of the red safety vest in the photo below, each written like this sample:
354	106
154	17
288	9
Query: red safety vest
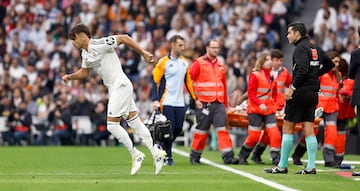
345	109
264	94
208	85
281	85
328	92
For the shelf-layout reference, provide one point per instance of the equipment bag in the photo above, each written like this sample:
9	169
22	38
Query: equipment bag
159	127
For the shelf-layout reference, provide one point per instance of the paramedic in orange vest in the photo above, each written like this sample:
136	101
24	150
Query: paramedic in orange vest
173	71
328	100
261	108
346	111
283	80
209	82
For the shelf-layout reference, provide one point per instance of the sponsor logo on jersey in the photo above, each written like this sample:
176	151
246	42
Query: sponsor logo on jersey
110	40
314	63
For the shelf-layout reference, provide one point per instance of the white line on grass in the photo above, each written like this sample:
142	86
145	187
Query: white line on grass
239	172
322	161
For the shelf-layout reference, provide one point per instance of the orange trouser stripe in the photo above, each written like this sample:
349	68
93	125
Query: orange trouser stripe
265	139
199	141
224	139
340	144
330	135
253	138
274	136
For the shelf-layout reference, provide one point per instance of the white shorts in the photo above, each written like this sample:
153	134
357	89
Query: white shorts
121	101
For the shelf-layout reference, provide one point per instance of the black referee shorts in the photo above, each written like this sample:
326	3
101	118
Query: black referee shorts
302	106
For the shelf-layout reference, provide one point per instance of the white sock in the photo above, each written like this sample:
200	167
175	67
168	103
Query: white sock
122	136
143	132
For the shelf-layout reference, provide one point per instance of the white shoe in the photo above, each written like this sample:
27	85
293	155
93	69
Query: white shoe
159	161
137	162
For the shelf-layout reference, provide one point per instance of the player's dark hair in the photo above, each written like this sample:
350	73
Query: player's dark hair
77	29
276	53
174	38
298	26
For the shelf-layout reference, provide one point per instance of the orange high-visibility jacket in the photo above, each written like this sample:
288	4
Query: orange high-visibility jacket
329	88
209	85
283	80
346	111
264	94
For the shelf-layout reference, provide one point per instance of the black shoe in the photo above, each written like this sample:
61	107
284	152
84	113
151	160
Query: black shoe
276	170
304	171
243	161
355	173
297	161
232	161
330	164
257	159
337	166
195	161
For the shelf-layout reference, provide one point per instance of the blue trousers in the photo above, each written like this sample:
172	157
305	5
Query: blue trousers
176	116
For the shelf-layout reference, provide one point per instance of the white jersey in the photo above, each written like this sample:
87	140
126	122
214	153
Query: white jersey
101	56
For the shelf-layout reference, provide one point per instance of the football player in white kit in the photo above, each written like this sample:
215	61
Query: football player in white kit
99	54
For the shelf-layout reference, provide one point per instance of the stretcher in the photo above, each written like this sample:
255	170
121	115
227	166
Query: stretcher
239	118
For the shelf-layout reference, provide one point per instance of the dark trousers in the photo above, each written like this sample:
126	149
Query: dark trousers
176	116
358	117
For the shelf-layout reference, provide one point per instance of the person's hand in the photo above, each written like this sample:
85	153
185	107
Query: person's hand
263	107
156	105
198	104
66	78
149	58
289	94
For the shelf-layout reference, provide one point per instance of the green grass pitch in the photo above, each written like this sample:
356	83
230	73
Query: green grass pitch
108	168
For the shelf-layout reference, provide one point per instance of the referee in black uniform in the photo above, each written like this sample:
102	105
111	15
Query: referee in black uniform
309	62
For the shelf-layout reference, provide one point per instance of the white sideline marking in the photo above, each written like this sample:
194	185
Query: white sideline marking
238	172
322	161
357	179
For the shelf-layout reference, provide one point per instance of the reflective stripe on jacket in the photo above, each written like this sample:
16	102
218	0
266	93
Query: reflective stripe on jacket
281	85
264	94
329	87
208	85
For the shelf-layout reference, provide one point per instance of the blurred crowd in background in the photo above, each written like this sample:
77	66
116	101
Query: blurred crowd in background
35	52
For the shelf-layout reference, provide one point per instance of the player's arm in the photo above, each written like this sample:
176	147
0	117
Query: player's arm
158	79
78	75
127	40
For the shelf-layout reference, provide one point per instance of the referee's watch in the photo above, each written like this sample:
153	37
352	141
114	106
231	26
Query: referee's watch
292	87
